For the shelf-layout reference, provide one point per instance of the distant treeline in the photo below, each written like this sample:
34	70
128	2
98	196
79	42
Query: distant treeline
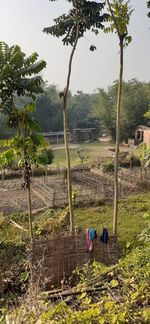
92	110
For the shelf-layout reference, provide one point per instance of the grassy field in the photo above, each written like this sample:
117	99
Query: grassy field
130	220
130	223
92	150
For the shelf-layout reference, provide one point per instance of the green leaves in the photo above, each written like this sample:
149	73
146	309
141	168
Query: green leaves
18	75
120	13
6	158
86	14
45	157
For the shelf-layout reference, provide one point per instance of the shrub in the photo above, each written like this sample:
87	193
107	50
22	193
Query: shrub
130	161
107	166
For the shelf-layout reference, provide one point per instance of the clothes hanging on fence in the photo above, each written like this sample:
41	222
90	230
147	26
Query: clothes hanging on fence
104	236
91	235
89	241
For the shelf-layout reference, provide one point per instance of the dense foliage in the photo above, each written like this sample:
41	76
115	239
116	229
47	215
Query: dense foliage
120	295
135	102
92	110
18	75
86	14
80	110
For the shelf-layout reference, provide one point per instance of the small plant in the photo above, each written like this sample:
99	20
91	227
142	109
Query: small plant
107	166
82	157
74	196
50	213
145	234
18	216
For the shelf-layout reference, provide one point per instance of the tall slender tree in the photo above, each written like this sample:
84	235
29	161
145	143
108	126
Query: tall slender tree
83	16
120	12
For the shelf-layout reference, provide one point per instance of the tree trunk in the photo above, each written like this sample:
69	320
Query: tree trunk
115	219
26	179
46	174
30	213
68	171
65	124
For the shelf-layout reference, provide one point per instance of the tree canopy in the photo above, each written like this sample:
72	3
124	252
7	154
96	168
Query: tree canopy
91	110
19	75
87	14
135	102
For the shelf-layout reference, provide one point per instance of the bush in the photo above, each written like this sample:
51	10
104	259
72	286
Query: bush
107	166
130	161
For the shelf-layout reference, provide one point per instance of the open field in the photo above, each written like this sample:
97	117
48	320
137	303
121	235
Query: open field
130	222
92	150
90	187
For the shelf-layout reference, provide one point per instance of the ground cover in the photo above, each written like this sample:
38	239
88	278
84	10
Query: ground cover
13	243
92	150
130	223
115	295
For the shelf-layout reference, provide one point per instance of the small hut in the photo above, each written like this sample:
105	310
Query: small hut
84	134
142	134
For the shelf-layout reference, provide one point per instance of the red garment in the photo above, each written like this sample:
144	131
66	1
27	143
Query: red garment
89	241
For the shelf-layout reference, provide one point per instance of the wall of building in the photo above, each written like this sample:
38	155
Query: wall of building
146	139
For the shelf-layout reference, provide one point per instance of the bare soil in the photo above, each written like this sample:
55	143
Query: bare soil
13	198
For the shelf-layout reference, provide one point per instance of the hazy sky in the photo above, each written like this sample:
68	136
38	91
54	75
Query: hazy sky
22	22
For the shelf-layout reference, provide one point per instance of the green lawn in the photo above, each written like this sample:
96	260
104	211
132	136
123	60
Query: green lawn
92	150
130	224
130	220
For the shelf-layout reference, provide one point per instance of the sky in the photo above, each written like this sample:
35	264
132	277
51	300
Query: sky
22	22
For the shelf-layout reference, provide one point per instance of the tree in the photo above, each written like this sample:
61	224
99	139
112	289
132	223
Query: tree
80	110
120	13
48	110
106	112
18	75
134	104
82	16
45	158
23	147
19	78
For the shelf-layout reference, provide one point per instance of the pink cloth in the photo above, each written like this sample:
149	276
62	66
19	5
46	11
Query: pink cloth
89	241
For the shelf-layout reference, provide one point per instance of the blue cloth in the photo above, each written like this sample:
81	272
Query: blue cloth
92	233
104	236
